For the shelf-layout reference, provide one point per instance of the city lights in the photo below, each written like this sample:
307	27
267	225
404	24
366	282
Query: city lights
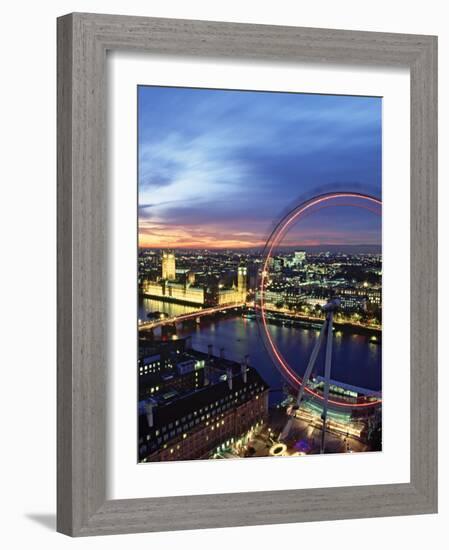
259	317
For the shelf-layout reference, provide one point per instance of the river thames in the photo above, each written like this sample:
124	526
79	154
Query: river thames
355	359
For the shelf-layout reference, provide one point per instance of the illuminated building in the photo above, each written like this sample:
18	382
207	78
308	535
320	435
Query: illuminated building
234	295
338	422
277	264
176	425
348	421
313	301
351	303
353	299
168	266
190	293
370	295
293	297
174	292
211	291
374	296
156	356
299	258
169	365
184	293
185	373
274	296
242	281
348	393
229	296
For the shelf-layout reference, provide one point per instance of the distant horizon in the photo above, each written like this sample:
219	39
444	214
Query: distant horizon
260	248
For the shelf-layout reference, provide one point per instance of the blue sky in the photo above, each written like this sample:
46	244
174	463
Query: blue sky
218	168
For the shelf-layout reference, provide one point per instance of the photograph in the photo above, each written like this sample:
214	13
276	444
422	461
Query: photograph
259	276
229	217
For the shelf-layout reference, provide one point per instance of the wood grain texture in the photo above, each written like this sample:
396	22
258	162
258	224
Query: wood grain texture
83	40
64	277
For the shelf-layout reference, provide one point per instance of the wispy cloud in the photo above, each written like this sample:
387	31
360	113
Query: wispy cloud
232	161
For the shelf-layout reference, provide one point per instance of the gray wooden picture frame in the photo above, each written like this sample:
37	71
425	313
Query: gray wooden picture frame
83	40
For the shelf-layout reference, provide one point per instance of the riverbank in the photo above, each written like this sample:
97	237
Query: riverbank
304	321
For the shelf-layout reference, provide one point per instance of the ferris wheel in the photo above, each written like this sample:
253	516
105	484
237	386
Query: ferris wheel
325	336
355	199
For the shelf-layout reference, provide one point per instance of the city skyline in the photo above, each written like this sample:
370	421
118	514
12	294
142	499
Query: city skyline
259	274
209	386
216	167
361	248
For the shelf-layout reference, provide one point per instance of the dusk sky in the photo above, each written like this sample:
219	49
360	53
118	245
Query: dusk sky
218	168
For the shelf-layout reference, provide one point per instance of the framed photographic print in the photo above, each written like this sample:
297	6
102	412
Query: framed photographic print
247	274
214	166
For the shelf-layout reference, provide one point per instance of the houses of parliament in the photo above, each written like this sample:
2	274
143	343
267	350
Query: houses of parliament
186	290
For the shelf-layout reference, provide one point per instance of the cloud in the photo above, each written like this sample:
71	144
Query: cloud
236	160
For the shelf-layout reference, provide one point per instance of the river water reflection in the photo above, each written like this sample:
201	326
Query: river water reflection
355	360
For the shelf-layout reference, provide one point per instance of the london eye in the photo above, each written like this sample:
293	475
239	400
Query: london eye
289	374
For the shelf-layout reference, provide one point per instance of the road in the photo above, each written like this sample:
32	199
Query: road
146	325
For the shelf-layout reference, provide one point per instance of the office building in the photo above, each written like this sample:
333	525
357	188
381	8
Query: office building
190	423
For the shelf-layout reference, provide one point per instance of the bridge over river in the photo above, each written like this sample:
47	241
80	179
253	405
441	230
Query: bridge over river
154	323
